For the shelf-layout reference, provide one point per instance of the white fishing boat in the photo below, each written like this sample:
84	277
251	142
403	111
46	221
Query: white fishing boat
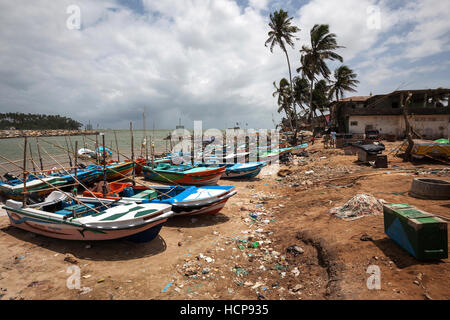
60	217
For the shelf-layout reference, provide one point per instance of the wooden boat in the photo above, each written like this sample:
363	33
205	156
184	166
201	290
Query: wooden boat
58	218
139	163
274	154
35	187
116	170
184	200
422	148
183	174
237	170
85	176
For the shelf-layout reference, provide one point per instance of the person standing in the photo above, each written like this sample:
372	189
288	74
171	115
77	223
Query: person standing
333	138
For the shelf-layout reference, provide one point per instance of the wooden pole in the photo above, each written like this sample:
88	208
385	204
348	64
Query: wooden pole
132	151
68	151
117	146
31	157
96	147
257	146
25	174
39	153
104	166
75	188
235	147
247	148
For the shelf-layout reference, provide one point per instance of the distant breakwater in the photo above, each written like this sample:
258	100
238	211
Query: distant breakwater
5	134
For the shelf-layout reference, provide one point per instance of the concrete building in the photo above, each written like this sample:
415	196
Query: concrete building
429	114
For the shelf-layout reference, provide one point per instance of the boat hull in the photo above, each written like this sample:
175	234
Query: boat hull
66	230
204	178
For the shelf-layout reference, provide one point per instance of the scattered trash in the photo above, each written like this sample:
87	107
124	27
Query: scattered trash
85	290
70	259
166	287
255	244
35	284
298	287
309	172
100	280
240	271
88	246
20	258
87	276
365	237
180	244
295	250
359	206
260	296
257	285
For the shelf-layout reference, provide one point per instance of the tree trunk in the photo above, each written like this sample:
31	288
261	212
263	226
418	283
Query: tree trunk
294	129
407	129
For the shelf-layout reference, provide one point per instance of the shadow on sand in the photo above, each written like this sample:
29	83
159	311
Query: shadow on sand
401	258
197	221
107	250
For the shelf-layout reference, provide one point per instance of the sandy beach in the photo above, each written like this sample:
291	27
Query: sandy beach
233	255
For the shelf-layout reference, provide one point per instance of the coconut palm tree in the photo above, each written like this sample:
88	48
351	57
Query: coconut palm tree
282	34
284	98
345	80
313	59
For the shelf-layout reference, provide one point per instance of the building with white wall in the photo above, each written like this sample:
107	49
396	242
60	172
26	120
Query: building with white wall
429	114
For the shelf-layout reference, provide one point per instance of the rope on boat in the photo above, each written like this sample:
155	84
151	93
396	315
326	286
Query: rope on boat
119	173
55	187
75	179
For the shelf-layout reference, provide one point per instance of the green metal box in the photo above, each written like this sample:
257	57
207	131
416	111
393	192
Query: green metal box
420	233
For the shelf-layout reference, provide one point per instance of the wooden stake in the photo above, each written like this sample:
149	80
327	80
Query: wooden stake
117	146
132	151
39	153
104	166
25	173
68	151
75	189
31	157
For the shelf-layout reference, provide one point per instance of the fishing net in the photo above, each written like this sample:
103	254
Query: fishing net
359	206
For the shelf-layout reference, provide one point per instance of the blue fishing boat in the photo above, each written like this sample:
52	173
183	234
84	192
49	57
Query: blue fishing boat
237	170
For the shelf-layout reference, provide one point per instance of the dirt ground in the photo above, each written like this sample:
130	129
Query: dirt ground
291	248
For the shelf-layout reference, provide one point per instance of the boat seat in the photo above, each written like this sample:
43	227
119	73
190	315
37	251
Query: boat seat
146	194
77	208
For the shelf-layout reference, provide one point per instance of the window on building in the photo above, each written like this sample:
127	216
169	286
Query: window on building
353	123
395	104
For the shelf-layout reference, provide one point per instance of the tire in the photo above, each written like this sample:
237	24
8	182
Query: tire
434	189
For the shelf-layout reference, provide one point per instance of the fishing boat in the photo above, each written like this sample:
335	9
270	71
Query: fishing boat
61	218
183	174
274	154
35	187
184	200
86	176
117	170
237	170
100	153
85	153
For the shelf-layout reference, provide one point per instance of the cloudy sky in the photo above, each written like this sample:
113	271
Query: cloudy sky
201	59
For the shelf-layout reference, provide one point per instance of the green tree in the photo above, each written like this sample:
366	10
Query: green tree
344	80
281	34
313	59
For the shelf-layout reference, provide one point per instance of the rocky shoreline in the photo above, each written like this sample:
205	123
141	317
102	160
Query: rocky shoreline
4	134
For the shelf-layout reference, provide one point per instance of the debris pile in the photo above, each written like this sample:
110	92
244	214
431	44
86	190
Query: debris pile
359	206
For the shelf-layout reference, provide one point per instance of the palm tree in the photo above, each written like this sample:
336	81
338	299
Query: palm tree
282	34
323	45
345	80
301	89
284	98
